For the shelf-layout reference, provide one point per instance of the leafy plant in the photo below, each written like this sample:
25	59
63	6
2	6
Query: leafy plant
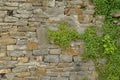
108	45
106	7
63	36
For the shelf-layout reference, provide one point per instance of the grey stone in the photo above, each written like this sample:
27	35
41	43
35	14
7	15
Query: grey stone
51	3
38	11
65	74
65	58
31	78
25	6
10	19
44	78
40	52
21	41
55	51
73	76
52	58
11	4
3	13
11	64
16	53
20	69
10	76
77	59
42	39
31	34
23	15
55	11
59	78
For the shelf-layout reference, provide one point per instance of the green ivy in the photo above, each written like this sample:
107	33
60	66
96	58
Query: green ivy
63	36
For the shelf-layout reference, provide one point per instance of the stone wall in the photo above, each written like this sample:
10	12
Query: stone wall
25	53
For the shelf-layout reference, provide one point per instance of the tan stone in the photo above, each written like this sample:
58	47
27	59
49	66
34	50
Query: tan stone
71	51
5	71
2	54
67	12
32	45
13	58
6	34
62	65
10	47
23	74
17	78
8	40
23	59
79	11
2	61
80	18
90	18
57	70
40	71
38	58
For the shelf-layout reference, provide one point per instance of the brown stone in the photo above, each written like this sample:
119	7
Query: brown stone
67	11
40	71
13	58
2	71
8	40
71	51
80	18
57	70
116	15
79	11
17	78
90	19
23	74
38	58
23	59
32	45
6	34
2	54
62	65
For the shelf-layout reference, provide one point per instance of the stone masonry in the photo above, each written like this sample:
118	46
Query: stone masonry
25	53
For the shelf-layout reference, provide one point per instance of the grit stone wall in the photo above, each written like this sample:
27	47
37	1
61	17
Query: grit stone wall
25	53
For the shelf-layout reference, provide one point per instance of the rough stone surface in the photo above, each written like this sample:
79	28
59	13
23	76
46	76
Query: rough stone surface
26	54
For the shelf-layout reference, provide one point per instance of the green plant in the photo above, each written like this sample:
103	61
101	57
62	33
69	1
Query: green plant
63	36
91	42
108	44
106	7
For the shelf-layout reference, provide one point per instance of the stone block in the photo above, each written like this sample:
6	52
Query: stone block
65	58
55	51
79	11
25	6
59	78
40	71
3	13
16	53
5	71
19	69
45	78
23	59
23	74
16	78
10	19
31	45
8	40
51	58
40	52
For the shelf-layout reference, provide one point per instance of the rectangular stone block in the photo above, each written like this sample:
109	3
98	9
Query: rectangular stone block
5	71
52	58
23	74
